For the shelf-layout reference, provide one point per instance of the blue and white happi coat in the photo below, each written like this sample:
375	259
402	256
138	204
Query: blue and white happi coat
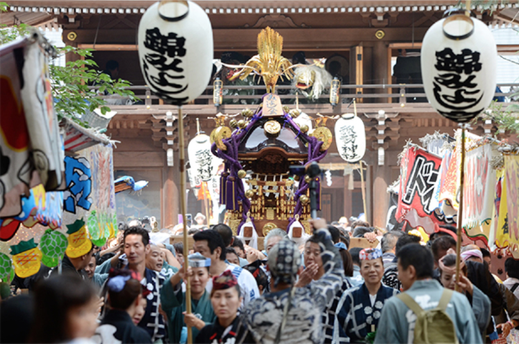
355	313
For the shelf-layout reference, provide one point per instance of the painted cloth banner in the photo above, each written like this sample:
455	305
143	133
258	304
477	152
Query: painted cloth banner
512	197
500	231
419	174
90	193
479	192
16	169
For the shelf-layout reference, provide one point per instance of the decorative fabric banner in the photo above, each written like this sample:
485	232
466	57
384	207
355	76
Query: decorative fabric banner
90	192
16	169
419	173
479	191
511	229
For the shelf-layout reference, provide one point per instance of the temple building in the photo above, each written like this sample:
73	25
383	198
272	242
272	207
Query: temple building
371	46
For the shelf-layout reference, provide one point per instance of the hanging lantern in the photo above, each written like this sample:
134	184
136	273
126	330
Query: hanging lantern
350	137
458	60
176	50
204	164
217	92
334	91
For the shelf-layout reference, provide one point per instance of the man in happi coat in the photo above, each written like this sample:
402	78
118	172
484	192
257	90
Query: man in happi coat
360	308
293	315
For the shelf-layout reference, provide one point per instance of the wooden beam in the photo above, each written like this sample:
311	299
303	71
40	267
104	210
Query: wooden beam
109	47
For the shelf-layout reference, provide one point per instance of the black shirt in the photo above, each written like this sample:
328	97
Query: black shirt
117	327
214	333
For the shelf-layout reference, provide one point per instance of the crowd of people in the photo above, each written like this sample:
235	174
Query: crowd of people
312	290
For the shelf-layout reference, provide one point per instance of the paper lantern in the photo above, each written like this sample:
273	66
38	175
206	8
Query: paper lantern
350	137
458	61
304	120
204	164
176	50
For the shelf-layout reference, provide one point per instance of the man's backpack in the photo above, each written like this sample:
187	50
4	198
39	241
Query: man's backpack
433	326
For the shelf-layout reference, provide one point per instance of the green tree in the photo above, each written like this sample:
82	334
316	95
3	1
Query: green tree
70	83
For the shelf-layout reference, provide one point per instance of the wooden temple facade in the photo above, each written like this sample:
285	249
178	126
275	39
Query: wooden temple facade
375	42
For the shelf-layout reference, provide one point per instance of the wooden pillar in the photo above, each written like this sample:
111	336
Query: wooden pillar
381	176
347	198
380	64
170	196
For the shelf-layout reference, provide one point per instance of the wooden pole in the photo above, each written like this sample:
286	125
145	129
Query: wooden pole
363	189
183	211
460	209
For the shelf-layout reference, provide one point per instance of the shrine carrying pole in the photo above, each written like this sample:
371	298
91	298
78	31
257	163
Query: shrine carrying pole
183	211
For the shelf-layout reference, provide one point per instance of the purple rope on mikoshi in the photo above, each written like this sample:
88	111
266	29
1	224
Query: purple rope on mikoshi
314	154
231	186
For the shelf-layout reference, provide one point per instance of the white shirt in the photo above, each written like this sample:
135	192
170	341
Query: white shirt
247	283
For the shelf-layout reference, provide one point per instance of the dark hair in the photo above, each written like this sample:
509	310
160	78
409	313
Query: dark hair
238	243
450	260
512	267
225	232
137	230
193	231
345	239
354	252
179	247
214	240
347	262
419	257
485	252
359	231
231	250
53	299
442	243
123	299
388	241
404	240
112	64
335	233
359	223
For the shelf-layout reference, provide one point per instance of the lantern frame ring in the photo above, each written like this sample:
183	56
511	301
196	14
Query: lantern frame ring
458	17
173	19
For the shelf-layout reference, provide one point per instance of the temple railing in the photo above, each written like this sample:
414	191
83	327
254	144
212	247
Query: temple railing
244	95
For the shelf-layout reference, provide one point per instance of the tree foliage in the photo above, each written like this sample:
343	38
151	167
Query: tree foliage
70	83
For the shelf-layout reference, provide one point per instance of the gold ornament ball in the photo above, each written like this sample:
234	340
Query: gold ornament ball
249	193
304	199
242	174
247	113
308	179
233	123
304	128
286	109
242	124
294	113
297	178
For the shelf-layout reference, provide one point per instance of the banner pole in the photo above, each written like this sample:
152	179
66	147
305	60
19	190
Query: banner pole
183	211
460	209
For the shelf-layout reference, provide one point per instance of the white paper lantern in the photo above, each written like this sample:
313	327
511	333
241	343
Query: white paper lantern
458	61
350	137
302	120
176	50
204	164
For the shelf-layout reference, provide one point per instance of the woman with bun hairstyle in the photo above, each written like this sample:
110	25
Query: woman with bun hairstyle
125	293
